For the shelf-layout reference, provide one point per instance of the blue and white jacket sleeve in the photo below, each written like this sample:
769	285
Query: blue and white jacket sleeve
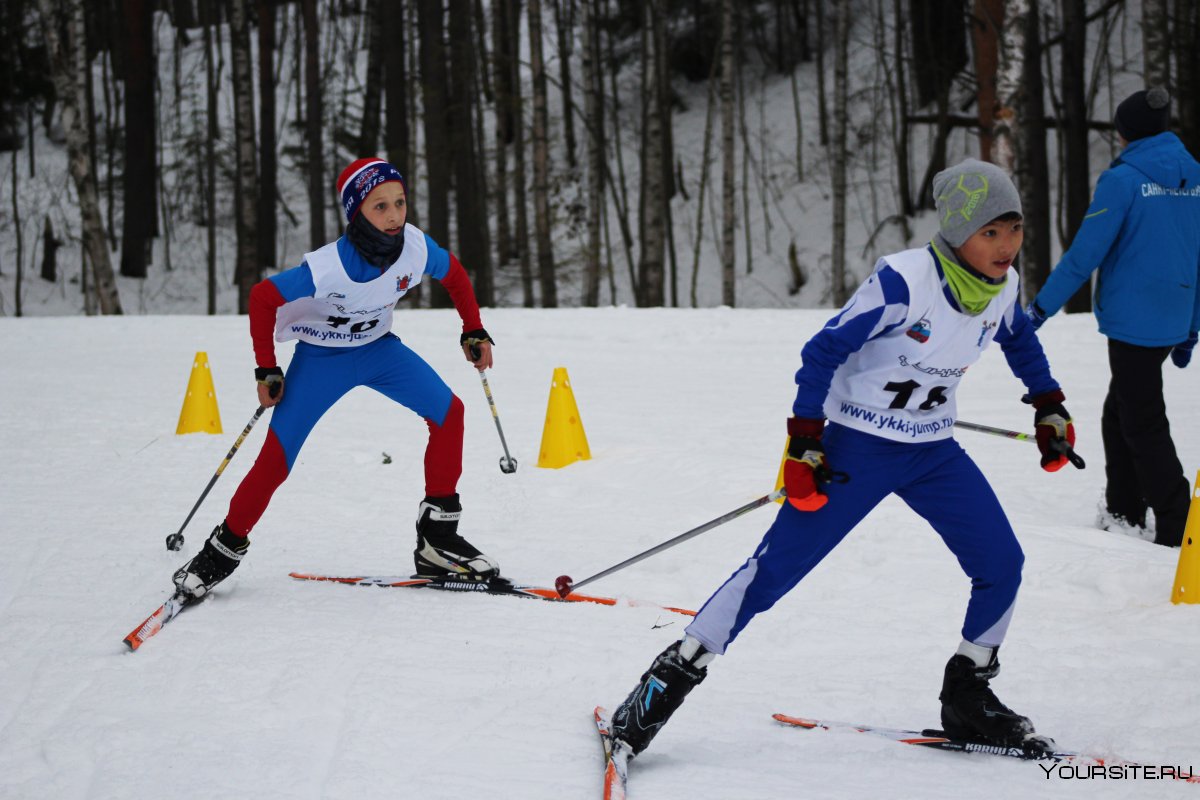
1092	241
878	306
1023	351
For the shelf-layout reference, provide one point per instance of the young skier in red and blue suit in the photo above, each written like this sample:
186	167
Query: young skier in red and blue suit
338	305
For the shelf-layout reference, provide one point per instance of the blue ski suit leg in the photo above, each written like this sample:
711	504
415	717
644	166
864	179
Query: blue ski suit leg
937	479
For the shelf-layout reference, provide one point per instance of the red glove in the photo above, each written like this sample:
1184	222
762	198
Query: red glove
1052	423
805	465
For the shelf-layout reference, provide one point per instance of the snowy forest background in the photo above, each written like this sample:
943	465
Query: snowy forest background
162	157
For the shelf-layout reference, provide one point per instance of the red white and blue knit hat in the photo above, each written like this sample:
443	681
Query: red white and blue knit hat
360	178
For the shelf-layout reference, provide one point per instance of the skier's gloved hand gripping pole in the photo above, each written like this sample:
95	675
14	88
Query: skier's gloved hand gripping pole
473	346
1060	446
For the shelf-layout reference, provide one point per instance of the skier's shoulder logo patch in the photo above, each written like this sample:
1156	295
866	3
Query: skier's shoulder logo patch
403	282
920	331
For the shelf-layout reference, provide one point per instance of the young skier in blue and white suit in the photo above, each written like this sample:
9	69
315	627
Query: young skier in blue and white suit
876	400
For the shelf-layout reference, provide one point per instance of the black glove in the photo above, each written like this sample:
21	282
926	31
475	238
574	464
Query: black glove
272	378
472	340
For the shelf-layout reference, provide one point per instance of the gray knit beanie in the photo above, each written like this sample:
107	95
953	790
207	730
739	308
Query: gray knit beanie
971	194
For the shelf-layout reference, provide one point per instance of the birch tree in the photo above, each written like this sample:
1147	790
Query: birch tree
1019	140
68	67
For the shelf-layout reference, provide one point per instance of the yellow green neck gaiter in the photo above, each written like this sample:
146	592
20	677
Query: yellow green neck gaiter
972	290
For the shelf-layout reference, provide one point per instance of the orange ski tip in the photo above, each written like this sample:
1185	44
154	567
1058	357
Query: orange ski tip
304	576
801	722
612	783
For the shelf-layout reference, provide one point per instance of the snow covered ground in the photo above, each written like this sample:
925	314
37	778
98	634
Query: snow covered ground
284	689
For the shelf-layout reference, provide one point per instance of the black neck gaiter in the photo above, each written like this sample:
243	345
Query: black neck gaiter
377	247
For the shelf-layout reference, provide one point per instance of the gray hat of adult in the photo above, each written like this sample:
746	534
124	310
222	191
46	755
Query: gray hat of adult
971	194
1144	113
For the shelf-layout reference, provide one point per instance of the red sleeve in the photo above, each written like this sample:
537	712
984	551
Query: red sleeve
265	300
458	284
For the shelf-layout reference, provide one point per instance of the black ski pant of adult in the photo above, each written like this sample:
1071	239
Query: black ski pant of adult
1141	466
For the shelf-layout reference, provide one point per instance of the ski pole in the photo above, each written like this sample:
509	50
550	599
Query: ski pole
508	464
564	585
175	540
1058	444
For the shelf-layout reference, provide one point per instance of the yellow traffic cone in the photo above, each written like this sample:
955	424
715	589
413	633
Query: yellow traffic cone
1187	575
199	413
563	439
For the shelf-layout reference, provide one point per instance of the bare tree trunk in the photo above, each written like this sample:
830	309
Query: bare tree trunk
1156	43
140	224
1187	70
313	112
1010	85
564	24
211	18
473	243
68	63
903	169
268	164
502	81
368	138
1075	133
728	188
396	135
1033	170
248	269
822	105
593	99
20	254
650	214
704	161
541	160
434	101
986	24
841	44
519	181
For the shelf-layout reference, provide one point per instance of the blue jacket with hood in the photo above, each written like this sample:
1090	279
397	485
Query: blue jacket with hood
1142	231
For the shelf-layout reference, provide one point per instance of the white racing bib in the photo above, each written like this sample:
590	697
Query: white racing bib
901	386
344	313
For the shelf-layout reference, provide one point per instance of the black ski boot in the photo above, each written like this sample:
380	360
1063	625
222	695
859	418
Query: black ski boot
440	550
660	691
970	710
218	558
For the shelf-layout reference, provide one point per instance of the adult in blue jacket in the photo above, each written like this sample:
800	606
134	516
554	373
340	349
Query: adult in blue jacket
1142	231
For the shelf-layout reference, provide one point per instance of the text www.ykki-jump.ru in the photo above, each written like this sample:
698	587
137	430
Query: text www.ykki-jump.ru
1119	772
